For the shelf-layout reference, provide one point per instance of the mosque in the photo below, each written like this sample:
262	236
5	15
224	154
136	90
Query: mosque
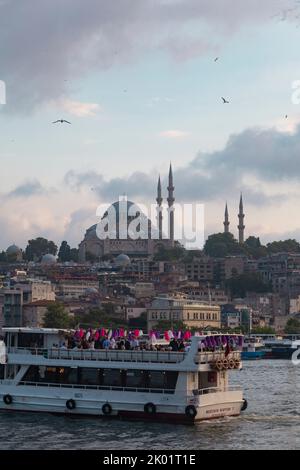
93	247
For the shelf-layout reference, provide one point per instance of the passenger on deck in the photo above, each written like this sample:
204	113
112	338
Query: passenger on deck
106	343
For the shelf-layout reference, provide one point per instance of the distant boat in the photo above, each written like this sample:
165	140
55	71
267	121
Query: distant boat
282	349
253	348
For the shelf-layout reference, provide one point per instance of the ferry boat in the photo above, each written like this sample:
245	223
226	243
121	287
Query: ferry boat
186	387
253	348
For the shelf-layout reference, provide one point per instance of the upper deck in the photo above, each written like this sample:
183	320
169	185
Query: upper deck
190	359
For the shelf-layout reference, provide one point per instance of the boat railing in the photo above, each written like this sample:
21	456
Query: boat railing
103	355
210	357
112	388
194	398
205	391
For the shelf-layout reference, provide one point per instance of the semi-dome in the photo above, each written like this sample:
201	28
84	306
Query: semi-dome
13	250
122	260
48	259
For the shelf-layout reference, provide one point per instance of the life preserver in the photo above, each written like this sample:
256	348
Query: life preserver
71	404
236	364
150	409
7	399
218	364
244	405
190	411
106	409
225	363
231	364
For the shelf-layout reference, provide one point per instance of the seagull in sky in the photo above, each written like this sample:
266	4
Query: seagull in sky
286	116
217	58
224	101
61	121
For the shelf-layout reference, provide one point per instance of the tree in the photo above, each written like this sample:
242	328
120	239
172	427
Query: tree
139	322
64	253
220	245
288	246
96	318
170	254
38	247
292	326
263	330
57	317
74	253
254	247
248	282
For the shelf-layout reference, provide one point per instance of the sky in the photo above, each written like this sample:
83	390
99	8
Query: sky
139	82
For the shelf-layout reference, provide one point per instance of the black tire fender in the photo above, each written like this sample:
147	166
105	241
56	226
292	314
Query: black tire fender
107	409
8	399
244	405
71	404
190	411
150	409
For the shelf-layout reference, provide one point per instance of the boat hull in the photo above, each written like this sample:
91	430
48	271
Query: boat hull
283	353
168	408
252	355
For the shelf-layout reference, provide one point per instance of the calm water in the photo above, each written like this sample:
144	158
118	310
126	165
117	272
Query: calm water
272	421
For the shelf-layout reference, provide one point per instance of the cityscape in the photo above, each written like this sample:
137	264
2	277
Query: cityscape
150	230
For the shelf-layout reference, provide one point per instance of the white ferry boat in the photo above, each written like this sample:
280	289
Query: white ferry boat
188	386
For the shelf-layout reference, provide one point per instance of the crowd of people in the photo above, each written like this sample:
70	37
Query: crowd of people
97	340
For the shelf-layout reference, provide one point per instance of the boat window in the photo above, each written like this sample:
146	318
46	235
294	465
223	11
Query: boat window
111	377
30	340
136	378
89	376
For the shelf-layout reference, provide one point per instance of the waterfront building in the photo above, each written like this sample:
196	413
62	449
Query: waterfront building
192	314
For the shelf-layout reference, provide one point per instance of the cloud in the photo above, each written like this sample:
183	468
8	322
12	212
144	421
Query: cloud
79	109
269	154
174	134
259	162
263	163
27	189
43	44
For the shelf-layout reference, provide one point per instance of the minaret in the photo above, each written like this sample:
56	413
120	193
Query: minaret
171	201
159	201
226	221
241	225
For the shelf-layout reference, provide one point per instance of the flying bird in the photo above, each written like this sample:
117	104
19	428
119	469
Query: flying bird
224	101
61	121
286	116
217	58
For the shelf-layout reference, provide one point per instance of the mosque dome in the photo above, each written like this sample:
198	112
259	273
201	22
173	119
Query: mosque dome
122	260
48	259
13	250
131	210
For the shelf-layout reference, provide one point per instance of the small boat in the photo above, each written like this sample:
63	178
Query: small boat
283	349
253	348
